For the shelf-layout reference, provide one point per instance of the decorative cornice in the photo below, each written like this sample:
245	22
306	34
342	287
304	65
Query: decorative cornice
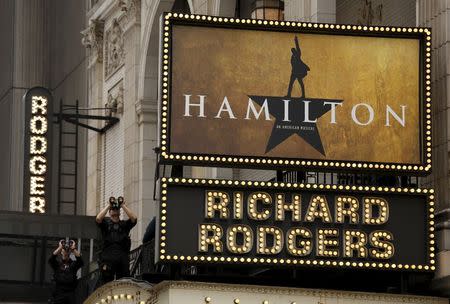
292	292
124	290
147	293
146	111
92	39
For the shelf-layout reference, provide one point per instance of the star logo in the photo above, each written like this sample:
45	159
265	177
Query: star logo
296	115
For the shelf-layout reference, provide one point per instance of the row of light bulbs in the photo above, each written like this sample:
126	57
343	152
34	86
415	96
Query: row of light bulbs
116	297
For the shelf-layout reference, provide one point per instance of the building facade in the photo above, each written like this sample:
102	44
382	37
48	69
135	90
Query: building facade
126	164
41	47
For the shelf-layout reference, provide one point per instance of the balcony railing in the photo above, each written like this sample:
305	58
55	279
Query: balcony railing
357	179
142	262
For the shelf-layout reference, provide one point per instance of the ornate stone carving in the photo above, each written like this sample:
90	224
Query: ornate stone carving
115	99
92	38
131	9
114	48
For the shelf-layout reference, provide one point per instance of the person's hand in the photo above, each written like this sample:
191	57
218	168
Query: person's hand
111	201
73	245
121	201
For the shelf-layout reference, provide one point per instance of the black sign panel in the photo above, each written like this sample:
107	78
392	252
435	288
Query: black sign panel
37	149
244	222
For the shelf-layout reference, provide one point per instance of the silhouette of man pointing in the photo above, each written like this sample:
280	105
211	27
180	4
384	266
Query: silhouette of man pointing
299	69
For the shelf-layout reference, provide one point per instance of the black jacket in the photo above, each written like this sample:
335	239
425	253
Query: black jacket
65	273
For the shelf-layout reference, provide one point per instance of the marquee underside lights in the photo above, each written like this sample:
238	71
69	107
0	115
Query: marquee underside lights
414	115
244	222
37	160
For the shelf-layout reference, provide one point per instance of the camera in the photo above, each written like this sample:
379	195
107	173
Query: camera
67	244
115	203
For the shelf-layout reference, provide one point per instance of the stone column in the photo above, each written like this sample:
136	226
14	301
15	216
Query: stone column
31	68
92	39
430	14
310	10
434	14
135	150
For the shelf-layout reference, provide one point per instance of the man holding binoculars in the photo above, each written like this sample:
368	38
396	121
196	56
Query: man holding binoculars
65	271
114	259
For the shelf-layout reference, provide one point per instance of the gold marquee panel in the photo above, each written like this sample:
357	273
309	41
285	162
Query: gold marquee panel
381	75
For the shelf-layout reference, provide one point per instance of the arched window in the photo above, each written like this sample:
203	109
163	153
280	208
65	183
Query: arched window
268	9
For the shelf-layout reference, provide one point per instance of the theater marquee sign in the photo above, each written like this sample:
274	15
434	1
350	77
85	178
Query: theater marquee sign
291	95
38	104
238	222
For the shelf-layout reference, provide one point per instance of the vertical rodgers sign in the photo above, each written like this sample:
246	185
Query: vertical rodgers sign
259	93
309	225
37	149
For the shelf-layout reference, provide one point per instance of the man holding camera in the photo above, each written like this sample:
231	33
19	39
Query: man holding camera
65	272
114	259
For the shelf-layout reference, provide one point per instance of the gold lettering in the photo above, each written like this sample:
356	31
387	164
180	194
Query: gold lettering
346	206
38	125
294	207
383	210
262	247
384	249
37	204
38	104
252	206
247	239
37	185
210	235
355	241
38	145
298	247
38	165
216	201
327	238
318	208
238	200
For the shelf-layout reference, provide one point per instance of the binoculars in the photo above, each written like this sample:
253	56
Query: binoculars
115	203
67	244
